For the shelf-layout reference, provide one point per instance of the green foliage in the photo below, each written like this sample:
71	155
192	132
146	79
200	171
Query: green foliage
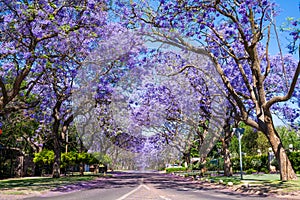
265	170
251	171
197	166
16	129
288	137
102	158
257	163
295	160
175	169
86	158
251	141
215	164
68	159
45	157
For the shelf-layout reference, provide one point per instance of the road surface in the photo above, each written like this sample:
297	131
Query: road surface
144	186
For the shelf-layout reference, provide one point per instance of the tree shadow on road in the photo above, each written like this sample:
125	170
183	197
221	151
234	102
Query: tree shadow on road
117	180
183	184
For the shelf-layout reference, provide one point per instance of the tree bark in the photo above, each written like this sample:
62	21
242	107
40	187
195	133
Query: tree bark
285	167
227	162
57	152
187	156
81	165
56	140
225	149
56	164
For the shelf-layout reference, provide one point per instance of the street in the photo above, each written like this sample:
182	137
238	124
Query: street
143	186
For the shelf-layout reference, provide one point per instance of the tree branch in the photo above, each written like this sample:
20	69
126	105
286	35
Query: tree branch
277	99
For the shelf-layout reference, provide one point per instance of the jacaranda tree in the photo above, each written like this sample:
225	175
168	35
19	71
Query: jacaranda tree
42	46
36	34
236	35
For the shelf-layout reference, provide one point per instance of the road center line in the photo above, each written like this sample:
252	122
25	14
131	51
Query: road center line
145	186
165	198
133	191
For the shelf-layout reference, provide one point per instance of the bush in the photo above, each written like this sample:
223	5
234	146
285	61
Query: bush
295	161
251	171
45	157
258	163
175	169
44	161
215	164
265	170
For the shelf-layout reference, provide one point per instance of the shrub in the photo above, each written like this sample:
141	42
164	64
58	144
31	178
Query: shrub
45	157
251	162
295	160
251	171
264	170
175	169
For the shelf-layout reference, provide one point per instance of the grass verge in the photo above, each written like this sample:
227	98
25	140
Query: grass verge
28	185
266	182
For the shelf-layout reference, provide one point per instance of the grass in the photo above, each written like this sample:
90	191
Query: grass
270	182
234	179
261	177
28	185
274	183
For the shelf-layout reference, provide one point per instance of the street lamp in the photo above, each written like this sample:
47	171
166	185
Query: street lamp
239	133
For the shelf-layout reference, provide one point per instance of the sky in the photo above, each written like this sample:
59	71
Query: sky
288	8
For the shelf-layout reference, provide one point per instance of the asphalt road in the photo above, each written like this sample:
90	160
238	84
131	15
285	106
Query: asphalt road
143	186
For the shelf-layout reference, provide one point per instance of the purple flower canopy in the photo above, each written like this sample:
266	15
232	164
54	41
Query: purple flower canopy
146	100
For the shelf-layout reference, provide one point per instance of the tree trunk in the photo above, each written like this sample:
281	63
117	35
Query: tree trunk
56	139
81	165
56	164
285	166
227	161
187	157
56	148
225	149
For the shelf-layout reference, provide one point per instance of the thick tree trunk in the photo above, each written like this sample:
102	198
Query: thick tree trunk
225	149
56	165
285	166
227	161
56	139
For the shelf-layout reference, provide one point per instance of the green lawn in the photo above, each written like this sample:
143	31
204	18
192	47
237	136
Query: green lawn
273	182
234	179
261	177
270	182
37	184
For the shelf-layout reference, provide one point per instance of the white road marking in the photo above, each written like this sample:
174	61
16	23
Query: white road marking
145	186
133	191
165	198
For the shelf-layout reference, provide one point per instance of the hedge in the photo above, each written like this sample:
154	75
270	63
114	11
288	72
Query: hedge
251	163
175	169
295	160
260	163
